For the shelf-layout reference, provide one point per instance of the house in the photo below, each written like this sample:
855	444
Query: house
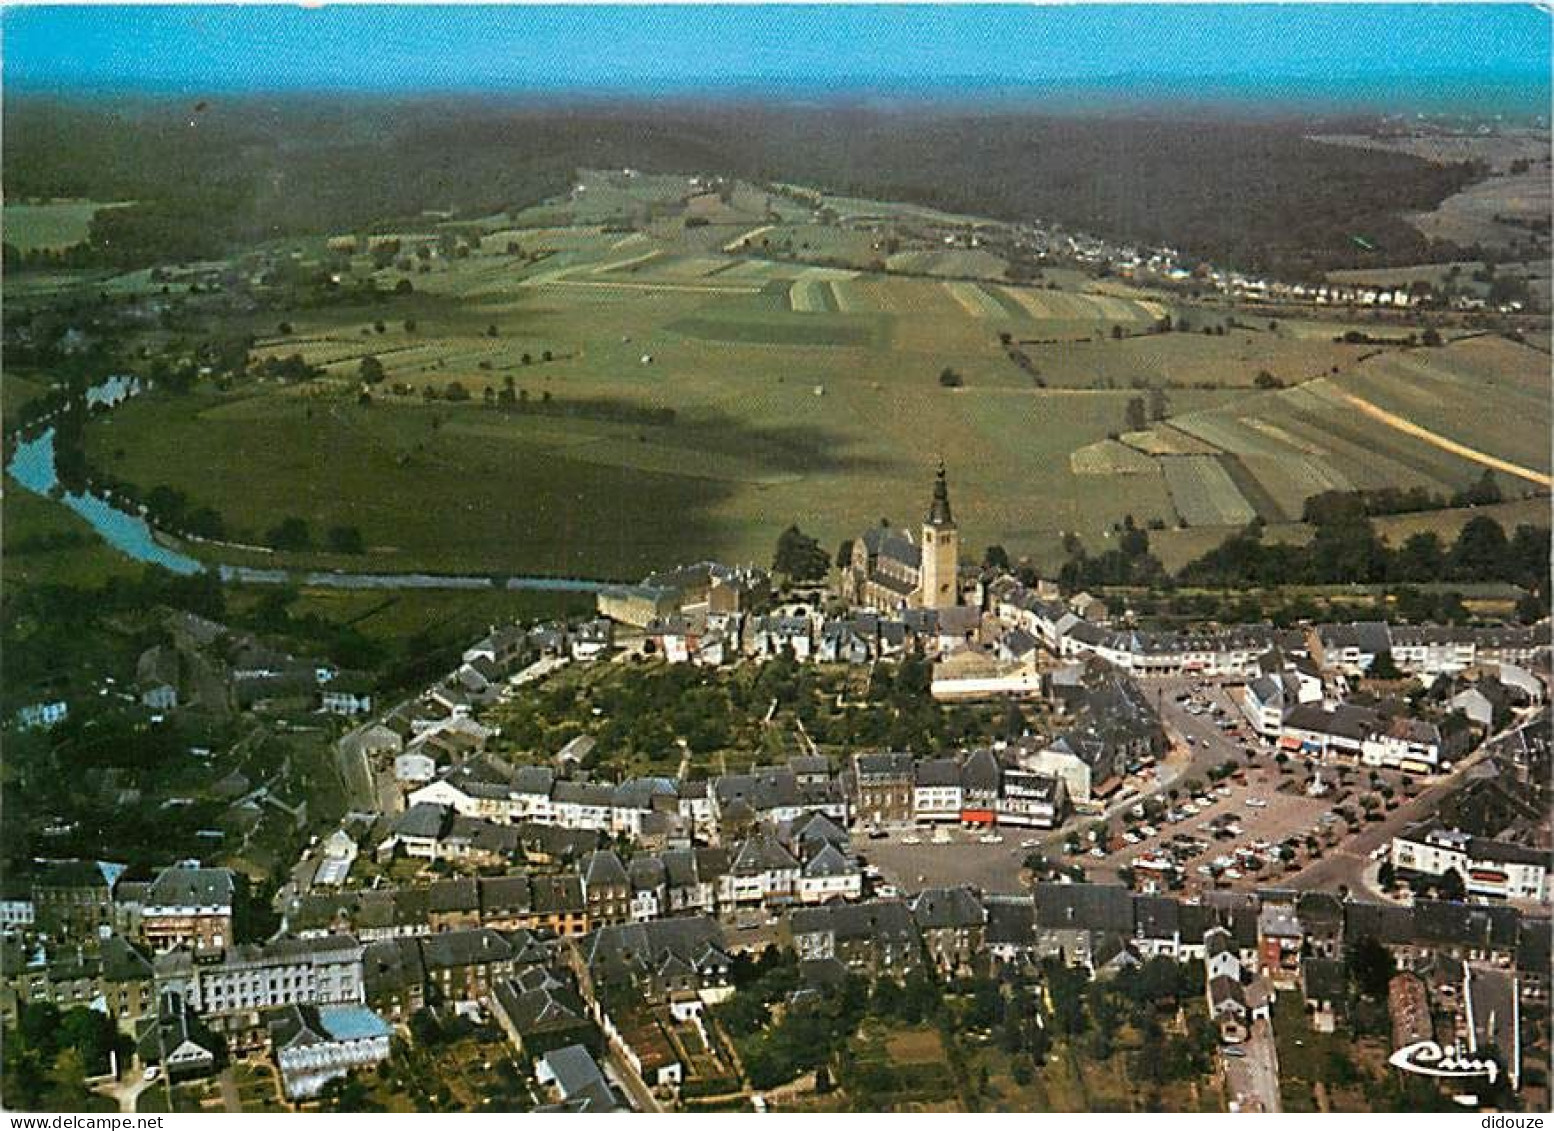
761	872
1073	919
607	889
952	923
174	1040
42	716
1350	648
347	694
580	1085
936	790
337	854
1032	799
656	960
980	779
394	977
885	783
313	1045
1228	1009
829	875
1403	743
540	1012
592	639
189	905
1010	932
1329	731
157	676
1487	867
465	965
559	905
878	936
73	899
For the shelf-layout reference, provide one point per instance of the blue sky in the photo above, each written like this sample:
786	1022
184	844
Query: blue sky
1376	53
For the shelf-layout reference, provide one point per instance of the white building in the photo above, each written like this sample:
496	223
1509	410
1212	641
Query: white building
1492	868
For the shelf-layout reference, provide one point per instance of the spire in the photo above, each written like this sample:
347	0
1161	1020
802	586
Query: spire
939	510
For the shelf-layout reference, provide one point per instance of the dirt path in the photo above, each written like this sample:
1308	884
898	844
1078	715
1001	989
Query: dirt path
1392	420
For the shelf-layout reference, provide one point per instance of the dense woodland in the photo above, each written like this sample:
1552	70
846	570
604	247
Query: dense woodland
1258	196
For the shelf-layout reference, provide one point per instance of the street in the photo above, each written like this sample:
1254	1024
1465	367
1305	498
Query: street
1252	1079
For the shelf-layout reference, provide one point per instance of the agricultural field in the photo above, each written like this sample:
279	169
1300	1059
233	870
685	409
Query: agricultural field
678	394
1400	418
49	227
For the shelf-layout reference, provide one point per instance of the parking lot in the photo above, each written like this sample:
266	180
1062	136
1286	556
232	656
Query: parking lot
1179	827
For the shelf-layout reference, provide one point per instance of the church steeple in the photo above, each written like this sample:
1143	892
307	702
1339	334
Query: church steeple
939	509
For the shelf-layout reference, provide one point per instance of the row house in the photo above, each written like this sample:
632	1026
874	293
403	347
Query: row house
885	788
656	961
464	966
952	923
607	889
762	873
877	937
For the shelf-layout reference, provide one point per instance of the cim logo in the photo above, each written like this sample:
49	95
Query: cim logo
1427	1058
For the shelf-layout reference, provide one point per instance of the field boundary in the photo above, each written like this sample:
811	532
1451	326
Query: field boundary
1446	444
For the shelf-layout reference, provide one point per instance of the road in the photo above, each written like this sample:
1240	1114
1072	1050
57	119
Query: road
1252	1080
623	1076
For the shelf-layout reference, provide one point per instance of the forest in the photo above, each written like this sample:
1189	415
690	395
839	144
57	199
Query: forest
1257	196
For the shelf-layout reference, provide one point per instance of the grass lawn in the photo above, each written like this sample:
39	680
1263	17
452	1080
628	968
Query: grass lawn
53	226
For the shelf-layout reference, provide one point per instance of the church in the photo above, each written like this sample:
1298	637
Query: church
889	571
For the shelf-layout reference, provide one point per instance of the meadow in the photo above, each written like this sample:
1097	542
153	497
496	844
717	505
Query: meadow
51	226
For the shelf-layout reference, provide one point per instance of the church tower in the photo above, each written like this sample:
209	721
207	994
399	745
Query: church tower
939	587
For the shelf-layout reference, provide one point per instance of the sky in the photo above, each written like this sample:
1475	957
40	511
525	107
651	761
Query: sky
1391	56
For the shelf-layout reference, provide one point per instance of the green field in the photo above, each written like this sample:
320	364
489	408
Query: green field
49	227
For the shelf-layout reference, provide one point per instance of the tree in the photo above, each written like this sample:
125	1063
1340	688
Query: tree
996	557
345	540
291	534
404	287
1383	667
1136	415
1370	967
950	379
1158	405
372	371
1482	552
844	553
799	557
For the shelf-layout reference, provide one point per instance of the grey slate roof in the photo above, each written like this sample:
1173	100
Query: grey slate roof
940	908
182	886
1094	907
